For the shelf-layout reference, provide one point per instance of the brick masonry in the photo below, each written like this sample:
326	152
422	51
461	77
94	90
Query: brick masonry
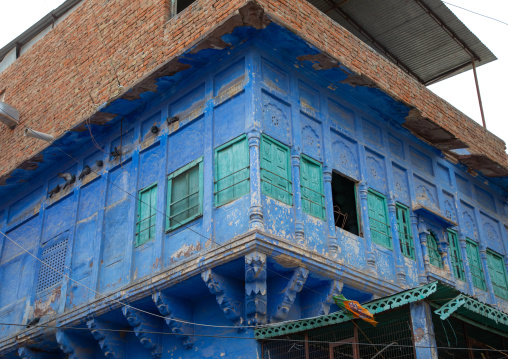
51	84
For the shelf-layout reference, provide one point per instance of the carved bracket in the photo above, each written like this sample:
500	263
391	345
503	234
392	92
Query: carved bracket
75	346
255	288
287	296
226	294
319	303
28	353
144	326
111	343
171	309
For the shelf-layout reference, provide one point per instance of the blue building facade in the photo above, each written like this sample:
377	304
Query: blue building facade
248	192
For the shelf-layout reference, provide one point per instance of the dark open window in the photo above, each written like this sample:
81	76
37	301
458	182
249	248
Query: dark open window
182	5
344	203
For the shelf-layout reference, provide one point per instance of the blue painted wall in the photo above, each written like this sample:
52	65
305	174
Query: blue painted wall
251	91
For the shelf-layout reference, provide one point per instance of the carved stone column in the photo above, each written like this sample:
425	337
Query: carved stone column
333	244
299	227
255	288
255	209
400	267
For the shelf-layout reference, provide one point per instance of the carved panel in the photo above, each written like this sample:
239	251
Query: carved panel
376	174
345	155
485	198
396	146
400	184
463	185
426	193
255	288
443	173
449	210
491	232
469	226
421	161
274	77
311	137
342	116
372	133
309	99
275	119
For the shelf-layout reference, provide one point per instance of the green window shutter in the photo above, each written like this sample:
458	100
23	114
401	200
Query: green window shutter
276	171
404	228
378	218
497	272
232	171
147	210
434	255
185	194
475	264
455	256
311	187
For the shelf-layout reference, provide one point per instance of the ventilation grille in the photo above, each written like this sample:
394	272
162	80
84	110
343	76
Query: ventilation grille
55	257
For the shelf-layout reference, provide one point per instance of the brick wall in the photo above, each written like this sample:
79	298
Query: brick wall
51	84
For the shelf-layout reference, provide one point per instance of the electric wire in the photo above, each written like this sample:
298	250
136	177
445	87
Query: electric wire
473	12
251	338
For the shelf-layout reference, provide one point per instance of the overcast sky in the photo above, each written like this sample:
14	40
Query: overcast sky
18	15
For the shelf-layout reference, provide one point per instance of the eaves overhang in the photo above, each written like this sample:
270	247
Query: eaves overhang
402	105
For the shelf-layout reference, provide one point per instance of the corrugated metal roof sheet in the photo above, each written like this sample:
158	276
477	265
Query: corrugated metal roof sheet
411	35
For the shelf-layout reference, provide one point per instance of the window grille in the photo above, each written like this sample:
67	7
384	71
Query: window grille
147	211
311	187
54	256
497	272
434	254
456	256
232	171
475	264
378	218
404	228
185	194
276	170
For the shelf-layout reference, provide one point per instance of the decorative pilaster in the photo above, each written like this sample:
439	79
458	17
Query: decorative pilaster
333	244
287	296
488	281
111	343
463	252
176	311
299	227
144	327
422	235
400	266
226	295
255	209
444	251
370	257
255	288
75	346
419	256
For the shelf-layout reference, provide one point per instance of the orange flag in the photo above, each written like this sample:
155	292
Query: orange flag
352	307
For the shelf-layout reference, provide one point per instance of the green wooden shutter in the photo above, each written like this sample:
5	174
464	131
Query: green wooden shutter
475	264
185	194
455	256
378	218
497	272
232	171
276	170
147	209
404	228
433	250
311	187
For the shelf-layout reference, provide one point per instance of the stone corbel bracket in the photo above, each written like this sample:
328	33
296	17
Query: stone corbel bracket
28	353
144	327
111	343
227	296
75	346
334	289
319	301
286	297
171	309
255	288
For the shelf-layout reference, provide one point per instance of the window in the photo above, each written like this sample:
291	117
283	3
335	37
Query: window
182	5
311	183
276	171
147	209
404	228
434	255
455	256
475	264
185	194
497	272
231	171
378	217
54	255
345	211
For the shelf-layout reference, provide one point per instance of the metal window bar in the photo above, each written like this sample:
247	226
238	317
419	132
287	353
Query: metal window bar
181	199
185	210
223	178
285	179
137	233
458	268
405	244
319	193
317	204
477	273
235	184
338	223
435	257
285	190
388	235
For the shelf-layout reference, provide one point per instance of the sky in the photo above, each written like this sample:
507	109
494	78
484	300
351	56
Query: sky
18	15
